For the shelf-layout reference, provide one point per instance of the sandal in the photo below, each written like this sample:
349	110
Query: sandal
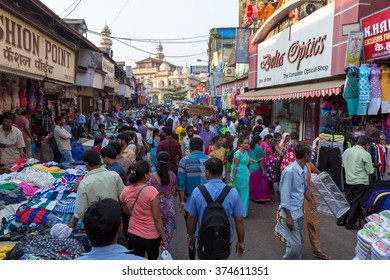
322	256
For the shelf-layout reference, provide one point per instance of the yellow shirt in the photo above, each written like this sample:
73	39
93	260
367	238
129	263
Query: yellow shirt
181	133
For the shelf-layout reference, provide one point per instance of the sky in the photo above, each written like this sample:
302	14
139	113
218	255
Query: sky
152	19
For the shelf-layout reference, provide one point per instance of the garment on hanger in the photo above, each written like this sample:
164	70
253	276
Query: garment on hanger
22	98
364	89
351	89
30	98
376	90
15	96
7	99
385	86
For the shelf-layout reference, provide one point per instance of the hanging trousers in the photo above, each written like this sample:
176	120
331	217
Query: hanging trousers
330	161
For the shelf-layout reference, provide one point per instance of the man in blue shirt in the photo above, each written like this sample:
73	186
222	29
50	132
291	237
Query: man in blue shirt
191	173
103	225
109	154
232	204
293	193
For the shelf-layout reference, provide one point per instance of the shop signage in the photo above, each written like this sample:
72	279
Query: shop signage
109	68
300	54
198	69
376	28
25	48
354	48
229	88
242	45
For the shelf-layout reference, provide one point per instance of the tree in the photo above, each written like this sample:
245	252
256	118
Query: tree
175	92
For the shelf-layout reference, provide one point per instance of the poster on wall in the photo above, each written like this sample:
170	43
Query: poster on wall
300	53
354	48
376	29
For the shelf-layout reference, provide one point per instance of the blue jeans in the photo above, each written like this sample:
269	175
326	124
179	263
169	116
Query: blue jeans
66	155
294	238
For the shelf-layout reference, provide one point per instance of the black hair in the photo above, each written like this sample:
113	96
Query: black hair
188	127
155	132
162	159
139	122
169	122
215	139
294	135
125	137
167	130
138	172
363	140
108	151
301	150
255	140
97	140
242	139
375	120
92	158
56	119
271	126
102	221
267	137
214	166
117	147
277	134
101	125
24	113
196	144
276	122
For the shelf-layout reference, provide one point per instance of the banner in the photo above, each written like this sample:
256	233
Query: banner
354	48
242	45
376	28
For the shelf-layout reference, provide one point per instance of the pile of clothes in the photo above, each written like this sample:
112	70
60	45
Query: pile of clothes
34	197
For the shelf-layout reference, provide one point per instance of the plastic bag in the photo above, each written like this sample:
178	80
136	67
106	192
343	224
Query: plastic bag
165	255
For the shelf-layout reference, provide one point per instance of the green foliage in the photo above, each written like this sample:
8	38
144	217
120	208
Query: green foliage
176	92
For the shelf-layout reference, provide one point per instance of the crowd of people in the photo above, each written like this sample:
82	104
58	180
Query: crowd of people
152	154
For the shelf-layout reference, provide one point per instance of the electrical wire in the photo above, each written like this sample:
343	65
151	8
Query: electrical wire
73	9
68	7
173	56
120	12
165	41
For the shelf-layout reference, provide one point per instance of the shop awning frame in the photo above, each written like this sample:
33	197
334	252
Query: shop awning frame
293	92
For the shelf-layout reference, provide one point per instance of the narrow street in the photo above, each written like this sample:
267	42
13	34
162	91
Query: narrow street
262	244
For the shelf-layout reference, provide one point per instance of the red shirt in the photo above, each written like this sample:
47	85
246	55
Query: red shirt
173	148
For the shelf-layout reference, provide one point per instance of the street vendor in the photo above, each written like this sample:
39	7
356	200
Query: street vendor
12	138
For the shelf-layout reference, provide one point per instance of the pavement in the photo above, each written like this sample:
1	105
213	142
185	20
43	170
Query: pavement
262	244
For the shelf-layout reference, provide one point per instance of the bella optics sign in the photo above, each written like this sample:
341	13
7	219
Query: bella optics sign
300	54
295	54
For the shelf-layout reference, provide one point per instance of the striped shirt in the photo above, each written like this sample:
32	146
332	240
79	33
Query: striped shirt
191	173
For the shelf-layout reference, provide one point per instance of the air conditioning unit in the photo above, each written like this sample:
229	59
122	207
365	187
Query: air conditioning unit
309	8
229	71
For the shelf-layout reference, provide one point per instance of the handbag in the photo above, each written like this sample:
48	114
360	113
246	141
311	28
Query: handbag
135	202
280	231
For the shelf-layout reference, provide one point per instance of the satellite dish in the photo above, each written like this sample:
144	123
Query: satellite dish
310	8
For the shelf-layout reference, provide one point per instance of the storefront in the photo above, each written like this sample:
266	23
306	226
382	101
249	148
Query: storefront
30	58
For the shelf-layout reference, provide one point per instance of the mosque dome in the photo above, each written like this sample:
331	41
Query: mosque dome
165	67
105	30
186	70
176	72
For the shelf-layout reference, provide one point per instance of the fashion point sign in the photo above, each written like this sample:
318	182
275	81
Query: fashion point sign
376	28
25	48
300	54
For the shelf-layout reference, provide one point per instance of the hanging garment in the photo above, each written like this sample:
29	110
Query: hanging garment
351	89
376	91
1	100
268	11
364	89
385	86
7	99
15	96
30	98
22	98
40	95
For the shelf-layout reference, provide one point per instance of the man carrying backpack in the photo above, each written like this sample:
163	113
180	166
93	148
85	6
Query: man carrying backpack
213	217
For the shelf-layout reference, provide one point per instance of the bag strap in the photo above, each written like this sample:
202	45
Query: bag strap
223	194
139	192
205	194
219	199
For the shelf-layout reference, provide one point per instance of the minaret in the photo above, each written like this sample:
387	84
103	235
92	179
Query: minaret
159	54
105	41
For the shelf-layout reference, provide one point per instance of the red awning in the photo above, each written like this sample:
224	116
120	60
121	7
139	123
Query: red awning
293	92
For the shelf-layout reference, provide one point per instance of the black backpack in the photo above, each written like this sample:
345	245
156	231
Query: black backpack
214	232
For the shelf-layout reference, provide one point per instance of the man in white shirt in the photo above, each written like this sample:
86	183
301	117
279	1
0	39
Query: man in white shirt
268	130
185	146
97	184
12	138
63	138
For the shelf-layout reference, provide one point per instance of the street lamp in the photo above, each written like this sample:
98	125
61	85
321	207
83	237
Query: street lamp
201	60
